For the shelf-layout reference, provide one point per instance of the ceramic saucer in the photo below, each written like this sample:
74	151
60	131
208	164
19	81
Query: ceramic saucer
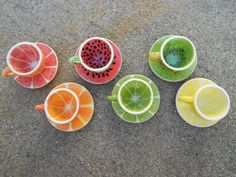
136	118
86	108
186	110
47	74
103	77
162	71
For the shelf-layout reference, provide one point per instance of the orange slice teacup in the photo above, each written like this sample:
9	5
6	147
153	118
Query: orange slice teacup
69	107
61	106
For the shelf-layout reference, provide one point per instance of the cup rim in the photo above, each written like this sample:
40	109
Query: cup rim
77	105
98	69
135	112
32	71
173	68
217	118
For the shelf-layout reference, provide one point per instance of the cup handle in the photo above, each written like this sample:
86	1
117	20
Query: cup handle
154	56
186	99
7	72
39	107
75	60
112	98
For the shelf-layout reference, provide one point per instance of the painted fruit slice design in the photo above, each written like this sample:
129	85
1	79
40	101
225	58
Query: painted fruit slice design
46	75
96	53
86	108
141	117
61	105
136	96
24	58
103	77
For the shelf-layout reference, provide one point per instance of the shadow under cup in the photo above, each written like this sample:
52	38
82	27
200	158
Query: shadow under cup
178	52
96	53
24	58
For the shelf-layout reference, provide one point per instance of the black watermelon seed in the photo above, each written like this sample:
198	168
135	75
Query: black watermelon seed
99	41
87	73
93	75
98	75
107	74
110	69
113	63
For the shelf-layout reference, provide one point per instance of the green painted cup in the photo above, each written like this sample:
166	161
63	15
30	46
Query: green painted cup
135	96
176	53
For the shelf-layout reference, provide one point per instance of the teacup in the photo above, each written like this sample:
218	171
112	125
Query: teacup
95	54
61	106
176	53
24	59
211	102
135	96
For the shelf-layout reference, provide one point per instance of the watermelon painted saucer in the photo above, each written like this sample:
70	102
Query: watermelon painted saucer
46	75
103	77
186	110
86	108
162	71
142	117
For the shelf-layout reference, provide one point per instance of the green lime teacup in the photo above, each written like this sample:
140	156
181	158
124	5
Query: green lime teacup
135	96
176	53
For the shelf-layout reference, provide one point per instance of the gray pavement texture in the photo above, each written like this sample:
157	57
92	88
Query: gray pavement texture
164	146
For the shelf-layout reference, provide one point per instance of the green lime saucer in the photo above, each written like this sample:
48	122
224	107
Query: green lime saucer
165	73
136	118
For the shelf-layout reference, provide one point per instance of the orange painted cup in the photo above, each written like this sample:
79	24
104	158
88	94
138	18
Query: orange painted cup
24	59
61	106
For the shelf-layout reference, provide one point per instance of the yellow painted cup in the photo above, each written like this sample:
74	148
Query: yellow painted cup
211	102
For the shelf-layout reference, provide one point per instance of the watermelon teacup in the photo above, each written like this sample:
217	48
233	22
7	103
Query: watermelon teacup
135	96
61	106
24	59
95	54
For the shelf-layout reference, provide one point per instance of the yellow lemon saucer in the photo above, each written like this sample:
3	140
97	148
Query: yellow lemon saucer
186	110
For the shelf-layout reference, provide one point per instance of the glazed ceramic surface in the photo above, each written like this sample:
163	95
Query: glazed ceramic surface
187	110
141	117
165	73
105	76
48	72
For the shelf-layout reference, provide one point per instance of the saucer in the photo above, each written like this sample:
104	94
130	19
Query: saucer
186	110
165	73
103	77
136	118
46	75
86	108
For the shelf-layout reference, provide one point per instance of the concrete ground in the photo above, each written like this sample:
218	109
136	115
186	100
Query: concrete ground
164	146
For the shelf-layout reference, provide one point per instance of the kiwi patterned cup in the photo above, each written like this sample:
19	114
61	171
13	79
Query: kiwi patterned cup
176	53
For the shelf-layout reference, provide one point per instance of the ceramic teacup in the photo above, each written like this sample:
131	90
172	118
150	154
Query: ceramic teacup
24	59
176	53
95	54
211	102
61	106
135	96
